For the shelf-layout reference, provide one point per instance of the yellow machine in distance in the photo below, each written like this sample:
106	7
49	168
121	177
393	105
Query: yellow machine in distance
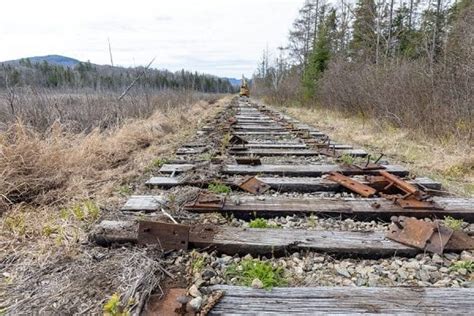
244	88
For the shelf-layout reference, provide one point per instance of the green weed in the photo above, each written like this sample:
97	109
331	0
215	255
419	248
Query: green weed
113	307
219	188
15	224
158	162
468	265
455	224
125	190
346	159
87	211
198	262
249	269
261	223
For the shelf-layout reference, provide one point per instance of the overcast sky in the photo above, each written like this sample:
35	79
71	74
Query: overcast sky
220	37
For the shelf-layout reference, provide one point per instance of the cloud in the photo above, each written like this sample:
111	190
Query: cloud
225	38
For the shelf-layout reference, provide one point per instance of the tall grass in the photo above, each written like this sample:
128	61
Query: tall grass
74	146
85	110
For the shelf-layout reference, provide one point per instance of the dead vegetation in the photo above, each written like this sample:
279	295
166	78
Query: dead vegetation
450	162
55	184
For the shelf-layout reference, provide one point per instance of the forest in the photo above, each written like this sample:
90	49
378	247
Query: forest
406	63
109	78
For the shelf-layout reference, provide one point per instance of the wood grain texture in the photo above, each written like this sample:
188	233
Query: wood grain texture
344	301
303	170
246	207
272	242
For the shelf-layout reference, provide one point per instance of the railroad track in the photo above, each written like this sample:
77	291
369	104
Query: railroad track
322	198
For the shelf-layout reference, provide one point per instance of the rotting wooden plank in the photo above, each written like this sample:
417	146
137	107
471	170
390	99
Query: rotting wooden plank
245	128
344	301
277	145
292	184
305	184
289	152
304	170
165	182
176	168
245	207
191	150
250	133
145	203
197	144
268	241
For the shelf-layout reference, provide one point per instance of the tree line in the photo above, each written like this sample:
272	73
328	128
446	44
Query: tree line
353	56
88	75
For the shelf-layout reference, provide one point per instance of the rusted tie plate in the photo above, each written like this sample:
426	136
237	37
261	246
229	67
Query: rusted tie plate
253	185
352	184
168	236
417	233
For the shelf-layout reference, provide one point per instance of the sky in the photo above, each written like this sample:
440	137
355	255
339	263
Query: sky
220	37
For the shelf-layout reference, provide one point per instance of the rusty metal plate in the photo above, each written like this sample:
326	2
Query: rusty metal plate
253	185
439	239
252	161
168	236
460	241
206	201
369	166
417	205
410	231
352	184
236	140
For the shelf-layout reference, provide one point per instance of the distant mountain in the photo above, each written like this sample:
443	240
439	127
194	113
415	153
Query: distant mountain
234	82
50	59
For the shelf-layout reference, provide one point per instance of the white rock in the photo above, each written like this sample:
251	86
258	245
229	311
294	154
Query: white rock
196	303
467	256
257	284
194	291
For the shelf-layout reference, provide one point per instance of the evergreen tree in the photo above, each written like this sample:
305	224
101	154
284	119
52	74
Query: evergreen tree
364	40
319	56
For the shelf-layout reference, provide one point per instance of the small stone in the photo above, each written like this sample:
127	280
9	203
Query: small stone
207	274
451	256
443	270
343	271
429	268
318	259
467	256
437	259
412	265
402	273
257	284
194	291
462	271
196	303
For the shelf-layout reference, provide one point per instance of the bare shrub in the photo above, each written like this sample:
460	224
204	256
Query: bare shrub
56	164
83	110
405	94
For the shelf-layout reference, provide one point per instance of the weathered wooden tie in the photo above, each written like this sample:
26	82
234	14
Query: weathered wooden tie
257	241
344	301
289	184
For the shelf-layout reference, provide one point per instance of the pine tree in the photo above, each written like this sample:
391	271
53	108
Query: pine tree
364	40
319	56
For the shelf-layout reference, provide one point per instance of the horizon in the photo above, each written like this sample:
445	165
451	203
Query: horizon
179	35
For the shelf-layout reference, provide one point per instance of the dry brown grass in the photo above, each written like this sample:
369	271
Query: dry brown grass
54	186
451	163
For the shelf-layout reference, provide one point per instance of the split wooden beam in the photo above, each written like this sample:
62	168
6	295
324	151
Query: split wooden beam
248	207
259	241
251	206
344	301
287	184
286	170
